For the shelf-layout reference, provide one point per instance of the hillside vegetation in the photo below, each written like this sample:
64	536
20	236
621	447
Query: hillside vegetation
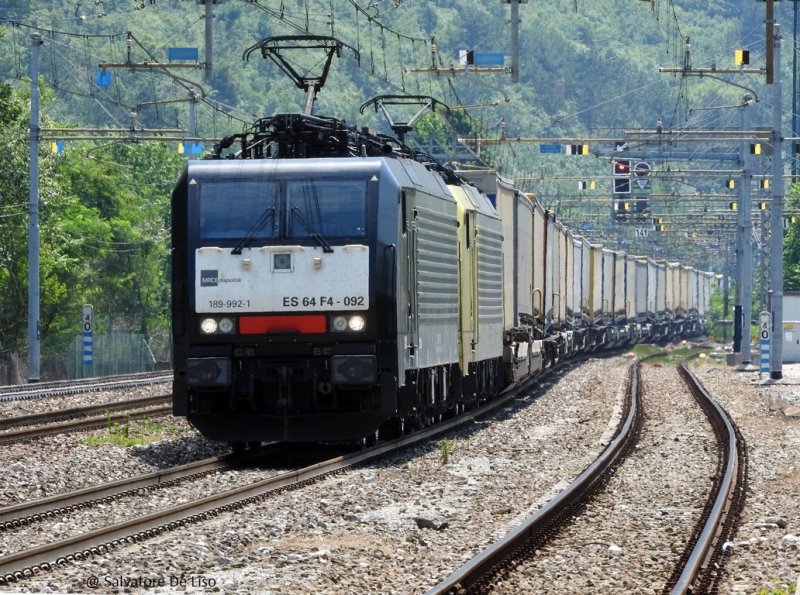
587	70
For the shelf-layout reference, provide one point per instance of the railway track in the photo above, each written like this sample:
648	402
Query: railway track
190	518
30	562
699	565
20	392
35	511
26	427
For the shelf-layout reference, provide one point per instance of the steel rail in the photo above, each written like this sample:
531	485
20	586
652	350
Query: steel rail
82	424
699	561
26	513
28	391
57	414
499	552
700	567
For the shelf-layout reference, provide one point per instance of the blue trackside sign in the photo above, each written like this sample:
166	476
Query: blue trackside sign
552	148
488	59
182	54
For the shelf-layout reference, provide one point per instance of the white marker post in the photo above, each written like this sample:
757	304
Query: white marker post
764	331
87	326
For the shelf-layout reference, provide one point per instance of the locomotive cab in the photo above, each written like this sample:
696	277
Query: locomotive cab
294	316
278	320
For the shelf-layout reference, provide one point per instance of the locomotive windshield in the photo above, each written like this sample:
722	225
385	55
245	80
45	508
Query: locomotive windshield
296	208
331	208
237	210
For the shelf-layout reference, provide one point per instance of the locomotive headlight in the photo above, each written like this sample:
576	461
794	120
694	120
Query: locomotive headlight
356	323
225	325
339	323
208	326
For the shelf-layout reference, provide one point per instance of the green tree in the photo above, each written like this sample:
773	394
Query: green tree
123	191
791	259
104	234
14	199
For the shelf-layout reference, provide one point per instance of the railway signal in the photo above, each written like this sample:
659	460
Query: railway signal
621	172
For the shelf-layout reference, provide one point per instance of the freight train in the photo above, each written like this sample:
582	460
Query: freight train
332	284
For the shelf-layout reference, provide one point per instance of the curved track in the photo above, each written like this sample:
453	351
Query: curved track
699	565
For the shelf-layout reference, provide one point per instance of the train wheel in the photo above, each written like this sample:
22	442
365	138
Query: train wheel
369	441
393	428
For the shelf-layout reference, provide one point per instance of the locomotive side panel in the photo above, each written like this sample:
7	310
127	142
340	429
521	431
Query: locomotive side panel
481	309
180	293
433	274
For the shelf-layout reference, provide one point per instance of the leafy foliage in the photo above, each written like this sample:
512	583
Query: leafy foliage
586	69
104	235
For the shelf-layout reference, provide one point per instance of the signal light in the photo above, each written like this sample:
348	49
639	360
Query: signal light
733	206
658	220
762	206
621	170
741	57
622	167
591	185
765	184
661	228
787	221
730	184
755	149
577	149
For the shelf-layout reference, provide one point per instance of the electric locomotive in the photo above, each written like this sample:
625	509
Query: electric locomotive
331	284
316	285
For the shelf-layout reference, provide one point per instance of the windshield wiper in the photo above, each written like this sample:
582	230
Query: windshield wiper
268	214
326	247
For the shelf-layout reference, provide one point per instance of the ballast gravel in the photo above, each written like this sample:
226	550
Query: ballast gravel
404	524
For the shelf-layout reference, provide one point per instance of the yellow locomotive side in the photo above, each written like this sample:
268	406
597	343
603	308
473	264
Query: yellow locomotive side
479	254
